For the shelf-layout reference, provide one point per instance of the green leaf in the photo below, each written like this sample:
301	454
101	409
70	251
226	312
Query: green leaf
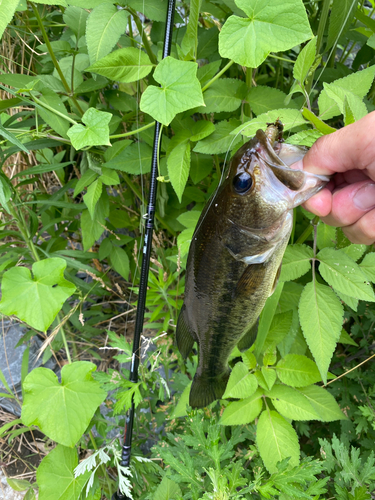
345	338
55	475
343	274
220	141
105	25
273	26
152	9
342	14
120	261
320	125
269	376
13	139
304	61
189	219
321	315
350	301
189	42
263	99
109	177
358	83
241	383
124	65
326	236
92	196
346	101
62	411
92	229
225	94
184	240
183	401
76	19
201	130
291	118
7	10
355	252
180	90
323	403
37	298
279	329
244	411
305	138
200	167
96	132
291	404
297	371
56	122
167	490
276	440
18	484
178	163
87	178
296	262
368	266
135	159
208	71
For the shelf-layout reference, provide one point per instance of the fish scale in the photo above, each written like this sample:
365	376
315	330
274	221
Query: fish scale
235	256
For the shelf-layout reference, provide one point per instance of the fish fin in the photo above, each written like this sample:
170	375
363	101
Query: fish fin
251	278
249	338
205	390
184	336
276	279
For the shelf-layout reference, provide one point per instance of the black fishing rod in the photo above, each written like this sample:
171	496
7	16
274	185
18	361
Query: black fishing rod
146	254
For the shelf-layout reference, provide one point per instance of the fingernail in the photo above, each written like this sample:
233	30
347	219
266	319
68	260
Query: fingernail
364	198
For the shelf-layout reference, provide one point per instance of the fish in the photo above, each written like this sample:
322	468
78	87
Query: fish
235	256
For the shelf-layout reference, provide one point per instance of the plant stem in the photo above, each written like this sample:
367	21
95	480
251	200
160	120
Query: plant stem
306	233
65	342
44	105
249	84
22	226
53	57
227	66
133	132
103	469
143	34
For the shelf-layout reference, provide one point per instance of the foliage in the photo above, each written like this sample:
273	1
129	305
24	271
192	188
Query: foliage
82	83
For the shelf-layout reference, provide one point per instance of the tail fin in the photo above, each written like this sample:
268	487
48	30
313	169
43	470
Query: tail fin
205	390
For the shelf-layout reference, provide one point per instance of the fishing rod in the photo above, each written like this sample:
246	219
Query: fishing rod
146	254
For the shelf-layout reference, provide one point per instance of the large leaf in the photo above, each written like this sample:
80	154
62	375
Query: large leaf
304	61
241	383
62	411
291	404
135	159
7	10
271	26
152	9
321	315
36	298
290	118
296	262
167	490
263	99
120	261
244	411
297	371
178	163
342	14
368	266
343	274
124	65
55	475
180	90
92	196
96	131
56	122
220	141
76	19
276	440
105	25
225	94
323	402
11	138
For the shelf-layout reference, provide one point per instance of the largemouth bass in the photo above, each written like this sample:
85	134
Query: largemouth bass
235	256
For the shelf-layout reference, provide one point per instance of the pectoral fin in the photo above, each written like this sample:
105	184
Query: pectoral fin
276	279
249	338
184	336
250	280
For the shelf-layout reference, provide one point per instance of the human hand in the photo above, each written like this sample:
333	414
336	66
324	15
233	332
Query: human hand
348	200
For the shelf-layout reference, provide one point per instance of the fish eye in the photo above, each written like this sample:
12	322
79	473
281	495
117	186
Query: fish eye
242	182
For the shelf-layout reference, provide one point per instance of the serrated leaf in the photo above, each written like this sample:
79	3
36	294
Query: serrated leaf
135	159
189	219
321	315
92	196
37	298
291	404
183	401
276	440
55	121
201	165
62	411
279	329
305	138
55	475
353	251
347	102
269	375
201	130
296	262
291	118
323	402
124	65
152	9
120	261
7	10
76	18
368	266
349	301
304	61
167	490
244	411
178	164
220	141
225	94
105	25
343	274
358	83
87	178
326	236
241	383
180	90
272	27
96	131
345	338
342	14
93	228
297	371
263	99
